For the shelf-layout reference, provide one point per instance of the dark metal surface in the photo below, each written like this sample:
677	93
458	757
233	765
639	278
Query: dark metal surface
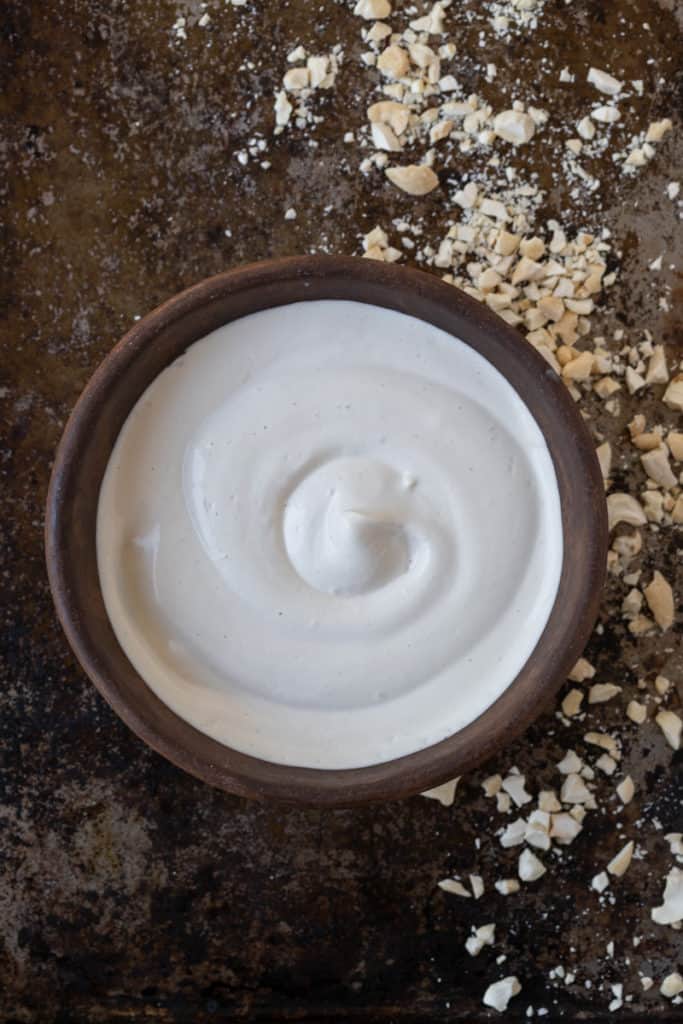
127	889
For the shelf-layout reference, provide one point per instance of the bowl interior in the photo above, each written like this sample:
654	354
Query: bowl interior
160	338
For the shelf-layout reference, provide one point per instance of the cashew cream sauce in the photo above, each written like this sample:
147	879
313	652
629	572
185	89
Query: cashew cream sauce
329	535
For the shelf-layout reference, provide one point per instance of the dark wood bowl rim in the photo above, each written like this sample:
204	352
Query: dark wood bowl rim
161	336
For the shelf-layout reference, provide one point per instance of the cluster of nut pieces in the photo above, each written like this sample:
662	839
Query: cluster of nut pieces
511	16
423	101
636	711
593	131
470	122
544	283
308	73
553	819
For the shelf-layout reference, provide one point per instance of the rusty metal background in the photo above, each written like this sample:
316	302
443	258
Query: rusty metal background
129	891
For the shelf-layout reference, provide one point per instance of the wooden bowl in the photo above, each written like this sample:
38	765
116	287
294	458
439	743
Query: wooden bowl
158	339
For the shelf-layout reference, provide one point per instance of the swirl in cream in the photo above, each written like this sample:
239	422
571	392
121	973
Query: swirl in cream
329	535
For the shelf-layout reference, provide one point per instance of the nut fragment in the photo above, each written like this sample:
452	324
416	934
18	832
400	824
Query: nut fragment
514	126
323	71
492	785
637	425
454	887
626	790
529	867
636	712
672	726
445	793
499	994
514	787
547	801
415	179
632	603
433	22
396	115
628	545
623	508
384	138
647	442
604	82
606	387
602	692
393	62
606	764
600	882
570	764
538	830
634	381
604	454
506	243
658	129
579	368
296	79
672	985
582	670
657	371
660	599
372	10
662	685
552	307
283	109
606	115
620	864
480	937
527	270
565	828
571	705
674	440
673	396
507	886
605	741
477	884
421	55
656	465
671	911
574	790
440	131
514	834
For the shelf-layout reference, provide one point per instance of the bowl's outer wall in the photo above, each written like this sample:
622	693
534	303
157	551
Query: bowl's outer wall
161	337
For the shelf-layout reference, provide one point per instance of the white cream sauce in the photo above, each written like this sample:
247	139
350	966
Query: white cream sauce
329	535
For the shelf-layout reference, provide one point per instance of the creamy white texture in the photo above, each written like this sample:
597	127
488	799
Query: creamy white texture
329	535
